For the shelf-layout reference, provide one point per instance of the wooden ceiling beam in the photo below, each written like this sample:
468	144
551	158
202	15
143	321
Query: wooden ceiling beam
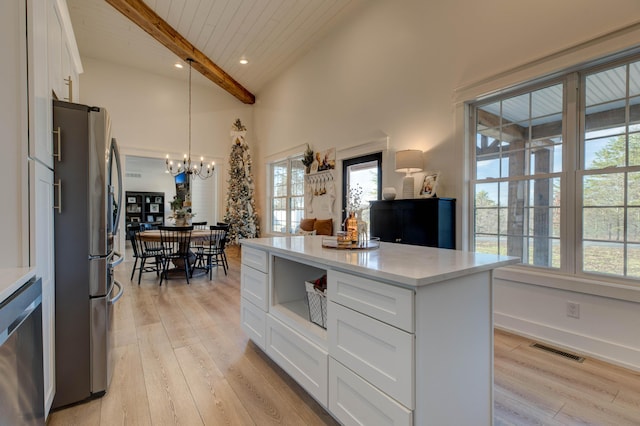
143	16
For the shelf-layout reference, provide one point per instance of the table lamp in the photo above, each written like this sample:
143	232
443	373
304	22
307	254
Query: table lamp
408	161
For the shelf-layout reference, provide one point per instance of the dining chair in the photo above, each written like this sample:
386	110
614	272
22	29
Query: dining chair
148	253
198	245
213	253
176	241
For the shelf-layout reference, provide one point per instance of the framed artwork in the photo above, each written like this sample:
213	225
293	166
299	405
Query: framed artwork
158	200
154	208
135	219
429	184
149	218
325	160
131	199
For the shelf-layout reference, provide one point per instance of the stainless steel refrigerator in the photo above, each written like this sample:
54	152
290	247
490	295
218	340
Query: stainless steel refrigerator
88	192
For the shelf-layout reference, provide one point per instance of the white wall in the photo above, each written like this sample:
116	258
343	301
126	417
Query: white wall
150	116
399	69
148	175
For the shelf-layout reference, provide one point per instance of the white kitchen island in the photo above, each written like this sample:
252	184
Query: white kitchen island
409	336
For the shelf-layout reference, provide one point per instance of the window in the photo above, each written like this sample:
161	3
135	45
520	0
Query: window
556	173
610	171
287	194
518	176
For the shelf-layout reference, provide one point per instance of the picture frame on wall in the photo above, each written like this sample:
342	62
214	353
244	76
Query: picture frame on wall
325	160
154	208
429	184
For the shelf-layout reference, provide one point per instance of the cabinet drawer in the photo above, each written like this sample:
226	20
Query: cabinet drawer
301	359
255	258
254	286
381	354
353	401
388	303
253	321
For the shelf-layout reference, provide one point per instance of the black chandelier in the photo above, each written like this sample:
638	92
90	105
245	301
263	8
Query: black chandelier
202	171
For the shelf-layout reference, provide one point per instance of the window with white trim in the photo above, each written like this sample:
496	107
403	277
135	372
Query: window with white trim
287	194
556	173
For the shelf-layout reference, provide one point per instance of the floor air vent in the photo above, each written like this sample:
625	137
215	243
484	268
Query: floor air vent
557	352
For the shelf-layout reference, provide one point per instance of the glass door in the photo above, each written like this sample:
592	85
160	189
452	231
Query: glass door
366	173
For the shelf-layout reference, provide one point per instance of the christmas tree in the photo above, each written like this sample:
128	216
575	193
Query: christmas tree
241	211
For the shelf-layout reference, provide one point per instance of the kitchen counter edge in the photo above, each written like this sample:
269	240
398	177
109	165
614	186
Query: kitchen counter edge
401	264
11	279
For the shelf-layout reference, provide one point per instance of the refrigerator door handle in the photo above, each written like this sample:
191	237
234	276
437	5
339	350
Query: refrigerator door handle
116	156
117	296
118	260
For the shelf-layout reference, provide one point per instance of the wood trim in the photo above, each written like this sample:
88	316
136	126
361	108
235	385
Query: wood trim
143	16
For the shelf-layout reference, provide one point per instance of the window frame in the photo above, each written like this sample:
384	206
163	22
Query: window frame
346	163
289	195
573	170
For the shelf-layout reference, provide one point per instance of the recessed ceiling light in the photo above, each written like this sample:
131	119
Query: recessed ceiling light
178	65
244	61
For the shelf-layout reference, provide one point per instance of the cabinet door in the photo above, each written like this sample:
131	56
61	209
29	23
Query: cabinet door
40	143
385	222
307	363
254	286
379	353
54	58
355	402
44	262
253	321
66	72
420	223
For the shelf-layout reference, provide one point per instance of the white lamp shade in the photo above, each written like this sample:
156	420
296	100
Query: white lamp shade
409	161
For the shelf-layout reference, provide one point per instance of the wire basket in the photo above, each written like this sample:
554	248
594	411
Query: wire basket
317	305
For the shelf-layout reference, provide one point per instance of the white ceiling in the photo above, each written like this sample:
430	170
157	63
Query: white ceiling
270	34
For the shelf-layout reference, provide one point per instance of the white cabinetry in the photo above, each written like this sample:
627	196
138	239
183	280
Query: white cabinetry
52	58
254	289
63	58
408	341
44	261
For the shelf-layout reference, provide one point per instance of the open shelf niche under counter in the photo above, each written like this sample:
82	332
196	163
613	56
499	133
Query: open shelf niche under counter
289	296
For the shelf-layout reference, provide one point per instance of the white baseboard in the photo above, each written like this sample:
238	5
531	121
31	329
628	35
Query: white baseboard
566	339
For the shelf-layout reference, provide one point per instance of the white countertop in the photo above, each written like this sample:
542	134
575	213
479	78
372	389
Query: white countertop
12	279
403	264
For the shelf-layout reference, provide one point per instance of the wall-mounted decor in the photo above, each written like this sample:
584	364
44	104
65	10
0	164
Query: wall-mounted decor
429	185
325	160
319	192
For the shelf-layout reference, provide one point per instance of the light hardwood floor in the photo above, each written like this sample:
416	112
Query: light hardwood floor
182	358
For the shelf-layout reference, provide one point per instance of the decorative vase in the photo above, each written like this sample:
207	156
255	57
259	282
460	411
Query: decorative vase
389	193
352	227
181	221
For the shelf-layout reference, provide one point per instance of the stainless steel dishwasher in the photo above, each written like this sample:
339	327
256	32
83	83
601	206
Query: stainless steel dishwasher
21	371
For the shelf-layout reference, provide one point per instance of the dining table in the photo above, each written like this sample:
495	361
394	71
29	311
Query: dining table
197	235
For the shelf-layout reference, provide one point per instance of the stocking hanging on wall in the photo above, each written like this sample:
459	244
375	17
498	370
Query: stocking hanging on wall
240	212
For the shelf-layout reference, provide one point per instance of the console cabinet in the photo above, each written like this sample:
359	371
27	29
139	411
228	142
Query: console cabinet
421	221
400	327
